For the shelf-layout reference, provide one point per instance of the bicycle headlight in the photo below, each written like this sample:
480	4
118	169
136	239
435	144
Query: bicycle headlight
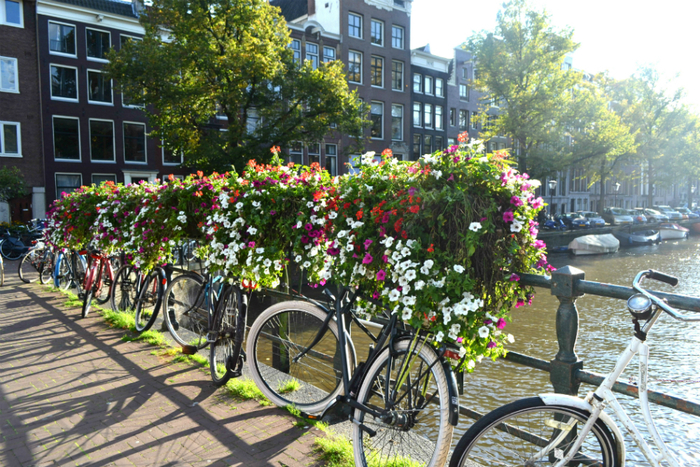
639	305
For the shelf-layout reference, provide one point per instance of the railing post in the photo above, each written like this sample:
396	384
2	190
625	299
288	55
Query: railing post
566	362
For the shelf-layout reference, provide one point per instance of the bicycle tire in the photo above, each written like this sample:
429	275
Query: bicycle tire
102	293
2	272
9	251
149	300
493	439
87	302
186	316
222	352
64	275
314	381
47	268
28	269
419	444
122	296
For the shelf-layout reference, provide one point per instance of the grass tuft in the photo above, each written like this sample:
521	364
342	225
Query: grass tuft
288	386
245	389
152	337
335	451
120	319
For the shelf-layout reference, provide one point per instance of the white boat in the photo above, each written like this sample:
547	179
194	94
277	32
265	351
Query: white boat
673	231
594	244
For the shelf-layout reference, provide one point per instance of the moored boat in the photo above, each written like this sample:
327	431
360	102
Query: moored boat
594	244
645	237
670	231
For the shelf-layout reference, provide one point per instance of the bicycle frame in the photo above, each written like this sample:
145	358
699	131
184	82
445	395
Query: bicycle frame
99	264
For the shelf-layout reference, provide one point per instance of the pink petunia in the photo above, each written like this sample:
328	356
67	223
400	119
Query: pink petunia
501	323
381	275
514	277
508	216
367	259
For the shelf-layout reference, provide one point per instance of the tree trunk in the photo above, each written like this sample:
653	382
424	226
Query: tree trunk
650	173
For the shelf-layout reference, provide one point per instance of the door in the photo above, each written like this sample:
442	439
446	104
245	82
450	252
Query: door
21	209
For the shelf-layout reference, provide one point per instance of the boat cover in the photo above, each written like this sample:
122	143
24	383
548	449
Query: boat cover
604	243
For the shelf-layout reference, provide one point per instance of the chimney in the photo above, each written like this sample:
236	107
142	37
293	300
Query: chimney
311	7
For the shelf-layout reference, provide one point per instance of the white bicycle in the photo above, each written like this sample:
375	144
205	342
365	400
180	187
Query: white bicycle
560	430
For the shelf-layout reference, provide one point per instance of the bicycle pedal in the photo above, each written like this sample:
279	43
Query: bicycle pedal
173	321
189	350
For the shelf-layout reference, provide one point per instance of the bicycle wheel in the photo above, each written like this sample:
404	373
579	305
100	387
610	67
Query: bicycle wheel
123	294
149	299
87	301
64	275
47	268
2	271
102	285
12	248
520	433
186	315
223	356
29	266
279	335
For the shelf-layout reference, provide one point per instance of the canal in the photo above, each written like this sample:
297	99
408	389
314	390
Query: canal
605	330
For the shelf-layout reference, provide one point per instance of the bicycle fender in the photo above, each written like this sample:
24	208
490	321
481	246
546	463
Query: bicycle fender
577	403
452	392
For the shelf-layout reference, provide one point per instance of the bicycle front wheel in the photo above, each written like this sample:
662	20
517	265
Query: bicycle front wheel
226	349
528	432
47	267
29	266
12	249
123	294
410	391
186	314
103	284
149	300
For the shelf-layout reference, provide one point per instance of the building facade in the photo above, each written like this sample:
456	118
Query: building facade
430	75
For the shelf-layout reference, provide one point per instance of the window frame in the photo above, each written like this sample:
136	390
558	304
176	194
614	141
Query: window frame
326	57
361	66
417	139
3	14
170	164
381	125
133	38
351	27
417	107
465	113
77	84
92	175
441	87
114	142
473	123
428	90
399	106
18	125
428	112
53	136
317	55
296	51
372	71
332	156
453	116
111	89
299	153
75	39
465	96
145	142
393	74
419	83
403	36
87	55
438	119
55	181
379	22
16	71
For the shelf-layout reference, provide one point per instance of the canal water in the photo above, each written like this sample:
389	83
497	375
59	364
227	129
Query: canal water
605	329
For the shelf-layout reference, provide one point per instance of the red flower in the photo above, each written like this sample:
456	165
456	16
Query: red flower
430	249
387	152
463	137
414	209
359	214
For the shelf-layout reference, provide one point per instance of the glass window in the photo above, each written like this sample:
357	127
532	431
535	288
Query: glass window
98	43
170	157
438	117
416	114
465	73
67	183
453	117
64	82
8	75
99	87
474	121
296	48
428	115
397	122
463	92
296	152
355	67
10	139
463	120
332	159
451	141
376	36
377	118
376	71
314	153
427	144
397	75
355	25
417	139
397	37
328	54
428	84
11	12
61	38
99	179
102	140
438	143
123	40
417	82
66	138
134	142
439	87
312	54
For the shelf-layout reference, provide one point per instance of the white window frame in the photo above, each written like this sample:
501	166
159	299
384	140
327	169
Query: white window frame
417	105
3	15
361	25
420	83
295	50
128	174
428	112
335	54
381	75
403	36
361	65
334	156
133	38
438	120
299	153
18	125
53	137
473	122
111	89
114	141
75	39
169	164
465	96
403	114
16	69
55	181
381	137
95	59
381	27
103	175
77	84
145	142
441	88
317	54
403	75
428	89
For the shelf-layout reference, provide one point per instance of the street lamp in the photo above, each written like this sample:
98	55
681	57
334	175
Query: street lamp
552	188
617	188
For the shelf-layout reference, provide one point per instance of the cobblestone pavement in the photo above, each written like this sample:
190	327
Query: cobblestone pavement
73	393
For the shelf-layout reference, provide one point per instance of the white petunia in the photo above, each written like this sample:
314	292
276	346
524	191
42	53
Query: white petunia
410	275
409	301
406	314
310	204
475	226
260	250
252	230
256	204
394	295
458	269
511	339
516	226
297	259
439	336
332	215
428	263
306	264
239	206
419	285
437	173
484	332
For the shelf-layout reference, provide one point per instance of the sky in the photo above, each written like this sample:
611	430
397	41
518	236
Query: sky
614	35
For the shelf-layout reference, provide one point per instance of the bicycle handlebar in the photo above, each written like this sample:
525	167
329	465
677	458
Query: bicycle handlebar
659	276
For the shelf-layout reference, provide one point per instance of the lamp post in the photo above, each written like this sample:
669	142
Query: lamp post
552	188
617	188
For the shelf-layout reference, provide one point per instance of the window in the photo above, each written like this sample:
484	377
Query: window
62	38
416	114
417	82
8	75
463	120
397	122
355	25
428	84
296	48
123	39
67	183
99	88
332	159
417	139
453	117
328	54
312	54
314	153
427	144
438	143
427	115
376	115
11	12
99	179
451	141
376	67
355	67
134	142
64	82
474	121
170	157
98	43
397	76
296	153
463	92
376	35
66	138
438	117
10	140
102	140
397	37
439	87
465	73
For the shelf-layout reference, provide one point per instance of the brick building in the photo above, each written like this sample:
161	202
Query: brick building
429	77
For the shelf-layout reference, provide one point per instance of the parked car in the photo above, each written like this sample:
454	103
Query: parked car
687	212
617	216
593	218
653	215
672	214
574	220
637	217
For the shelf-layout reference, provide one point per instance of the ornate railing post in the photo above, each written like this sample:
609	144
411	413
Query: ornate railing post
566	363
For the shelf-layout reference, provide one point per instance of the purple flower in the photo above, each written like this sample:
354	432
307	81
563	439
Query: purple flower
412	191
368	242
376	295
452	177
333	251
367	259
514	277
516	201
308	227
251	244
491	344
508	216
519	303
501	323
459	340
304	239
385	258
272	213
385	218
537	203
539	244
487	322
381	275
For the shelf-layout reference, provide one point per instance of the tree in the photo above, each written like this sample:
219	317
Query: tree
231	57
520	64
12	184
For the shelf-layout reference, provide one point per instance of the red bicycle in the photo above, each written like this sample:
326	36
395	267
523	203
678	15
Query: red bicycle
98	280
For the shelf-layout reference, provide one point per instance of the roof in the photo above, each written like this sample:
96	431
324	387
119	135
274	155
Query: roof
108	6
292	9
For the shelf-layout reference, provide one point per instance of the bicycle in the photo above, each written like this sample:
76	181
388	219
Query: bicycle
13	246
99	274
33	264
69	270
559	430
402	401
2	271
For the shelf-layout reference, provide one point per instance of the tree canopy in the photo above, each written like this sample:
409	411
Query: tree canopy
12	184
229	58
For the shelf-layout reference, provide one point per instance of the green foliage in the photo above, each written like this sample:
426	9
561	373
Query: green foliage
245	389
12	184
120	319
288	386
151	337
230	57
335	451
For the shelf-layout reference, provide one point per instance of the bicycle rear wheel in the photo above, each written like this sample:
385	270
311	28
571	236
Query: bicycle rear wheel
47	267
103	284
520	433
149	300
29	266
186	315
64	275
225	351
123	294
